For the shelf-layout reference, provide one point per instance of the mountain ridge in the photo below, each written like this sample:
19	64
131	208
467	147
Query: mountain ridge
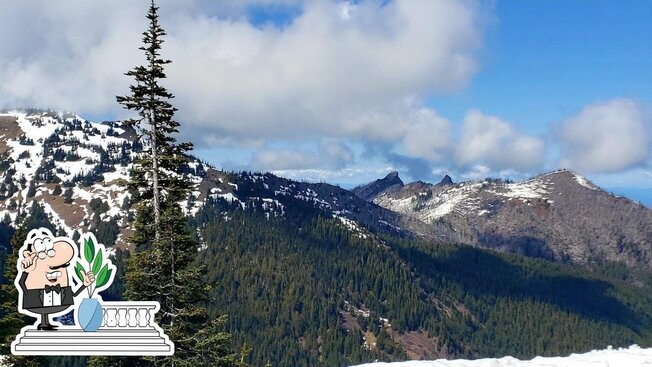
312	274
558	215
65	162
59	159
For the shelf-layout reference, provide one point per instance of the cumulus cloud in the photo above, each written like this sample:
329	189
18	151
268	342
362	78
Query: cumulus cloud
349	177
69	54
490	142
338	69
429	135
605	137
285	159
331	154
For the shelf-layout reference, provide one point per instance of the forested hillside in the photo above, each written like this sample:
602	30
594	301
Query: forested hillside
308	289
305	290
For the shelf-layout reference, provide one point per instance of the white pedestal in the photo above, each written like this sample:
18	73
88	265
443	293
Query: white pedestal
74	341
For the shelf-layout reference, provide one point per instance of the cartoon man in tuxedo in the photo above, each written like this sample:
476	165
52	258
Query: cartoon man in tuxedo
43	276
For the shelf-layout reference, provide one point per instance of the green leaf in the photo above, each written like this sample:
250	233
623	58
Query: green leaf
89	250
97	263
102	277
79	270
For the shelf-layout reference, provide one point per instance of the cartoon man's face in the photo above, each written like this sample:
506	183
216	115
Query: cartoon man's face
47	262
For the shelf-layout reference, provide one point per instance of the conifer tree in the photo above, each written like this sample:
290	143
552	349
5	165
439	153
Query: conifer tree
154	173
163	266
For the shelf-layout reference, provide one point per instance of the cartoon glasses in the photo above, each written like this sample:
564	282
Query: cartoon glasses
44	247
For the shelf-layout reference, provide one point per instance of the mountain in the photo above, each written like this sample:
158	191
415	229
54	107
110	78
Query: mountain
75	168
558	215
447	180
312	274
371	190
71	167
309	290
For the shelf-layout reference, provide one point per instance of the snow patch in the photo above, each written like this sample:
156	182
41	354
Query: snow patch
585	183
229	197
351	226
533	189
633	356
454	199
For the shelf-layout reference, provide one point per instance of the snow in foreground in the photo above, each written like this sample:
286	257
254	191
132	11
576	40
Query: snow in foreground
633	356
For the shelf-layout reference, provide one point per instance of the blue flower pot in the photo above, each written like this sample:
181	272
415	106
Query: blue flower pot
89	314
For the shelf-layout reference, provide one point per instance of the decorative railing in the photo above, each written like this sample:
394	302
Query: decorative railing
128	328
132	315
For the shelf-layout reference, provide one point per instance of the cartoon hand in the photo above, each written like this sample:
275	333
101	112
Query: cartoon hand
29	262
89	278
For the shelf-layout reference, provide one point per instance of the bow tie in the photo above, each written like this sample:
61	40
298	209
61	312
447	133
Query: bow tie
56	288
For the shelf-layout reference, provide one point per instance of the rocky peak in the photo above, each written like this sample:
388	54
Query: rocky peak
566	178
446	181
392	176
371	190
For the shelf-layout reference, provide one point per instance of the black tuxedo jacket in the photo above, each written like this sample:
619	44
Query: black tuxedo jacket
33	298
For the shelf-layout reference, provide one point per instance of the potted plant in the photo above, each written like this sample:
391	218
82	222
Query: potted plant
89	312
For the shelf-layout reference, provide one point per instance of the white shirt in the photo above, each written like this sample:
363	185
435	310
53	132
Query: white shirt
51	299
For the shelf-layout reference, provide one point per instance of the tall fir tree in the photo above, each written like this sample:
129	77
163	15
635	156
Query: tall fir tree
154	174
163	266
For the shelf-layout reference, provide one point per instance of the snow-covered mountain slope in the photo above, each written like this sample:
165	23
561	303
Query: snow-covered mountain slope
54	159
622	357
333	200
75	169
558	215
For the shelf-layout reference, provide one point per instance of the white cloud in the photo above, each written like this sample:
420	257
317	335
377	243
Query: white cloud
605	137
330	154
284	159
338	70
428	136
489	142
325	74
334	153
69	54
350	176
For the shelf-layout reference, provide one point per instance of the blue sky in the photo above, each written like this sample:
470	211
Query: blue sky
542	62
344	92
554	57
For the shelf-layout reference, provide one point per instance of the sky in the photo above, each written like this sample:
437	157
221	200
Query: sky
347	91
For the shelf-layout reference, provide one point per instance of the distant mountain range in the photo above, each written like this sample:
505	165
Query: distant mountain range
314	274
558	215
64	162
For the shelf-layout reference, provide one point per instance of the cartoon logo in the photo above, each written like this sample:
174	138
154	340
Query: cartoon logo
46	289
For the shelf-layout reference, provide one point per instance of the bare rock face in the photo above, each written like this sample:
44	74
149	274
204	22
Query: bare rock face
372	189
446	181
